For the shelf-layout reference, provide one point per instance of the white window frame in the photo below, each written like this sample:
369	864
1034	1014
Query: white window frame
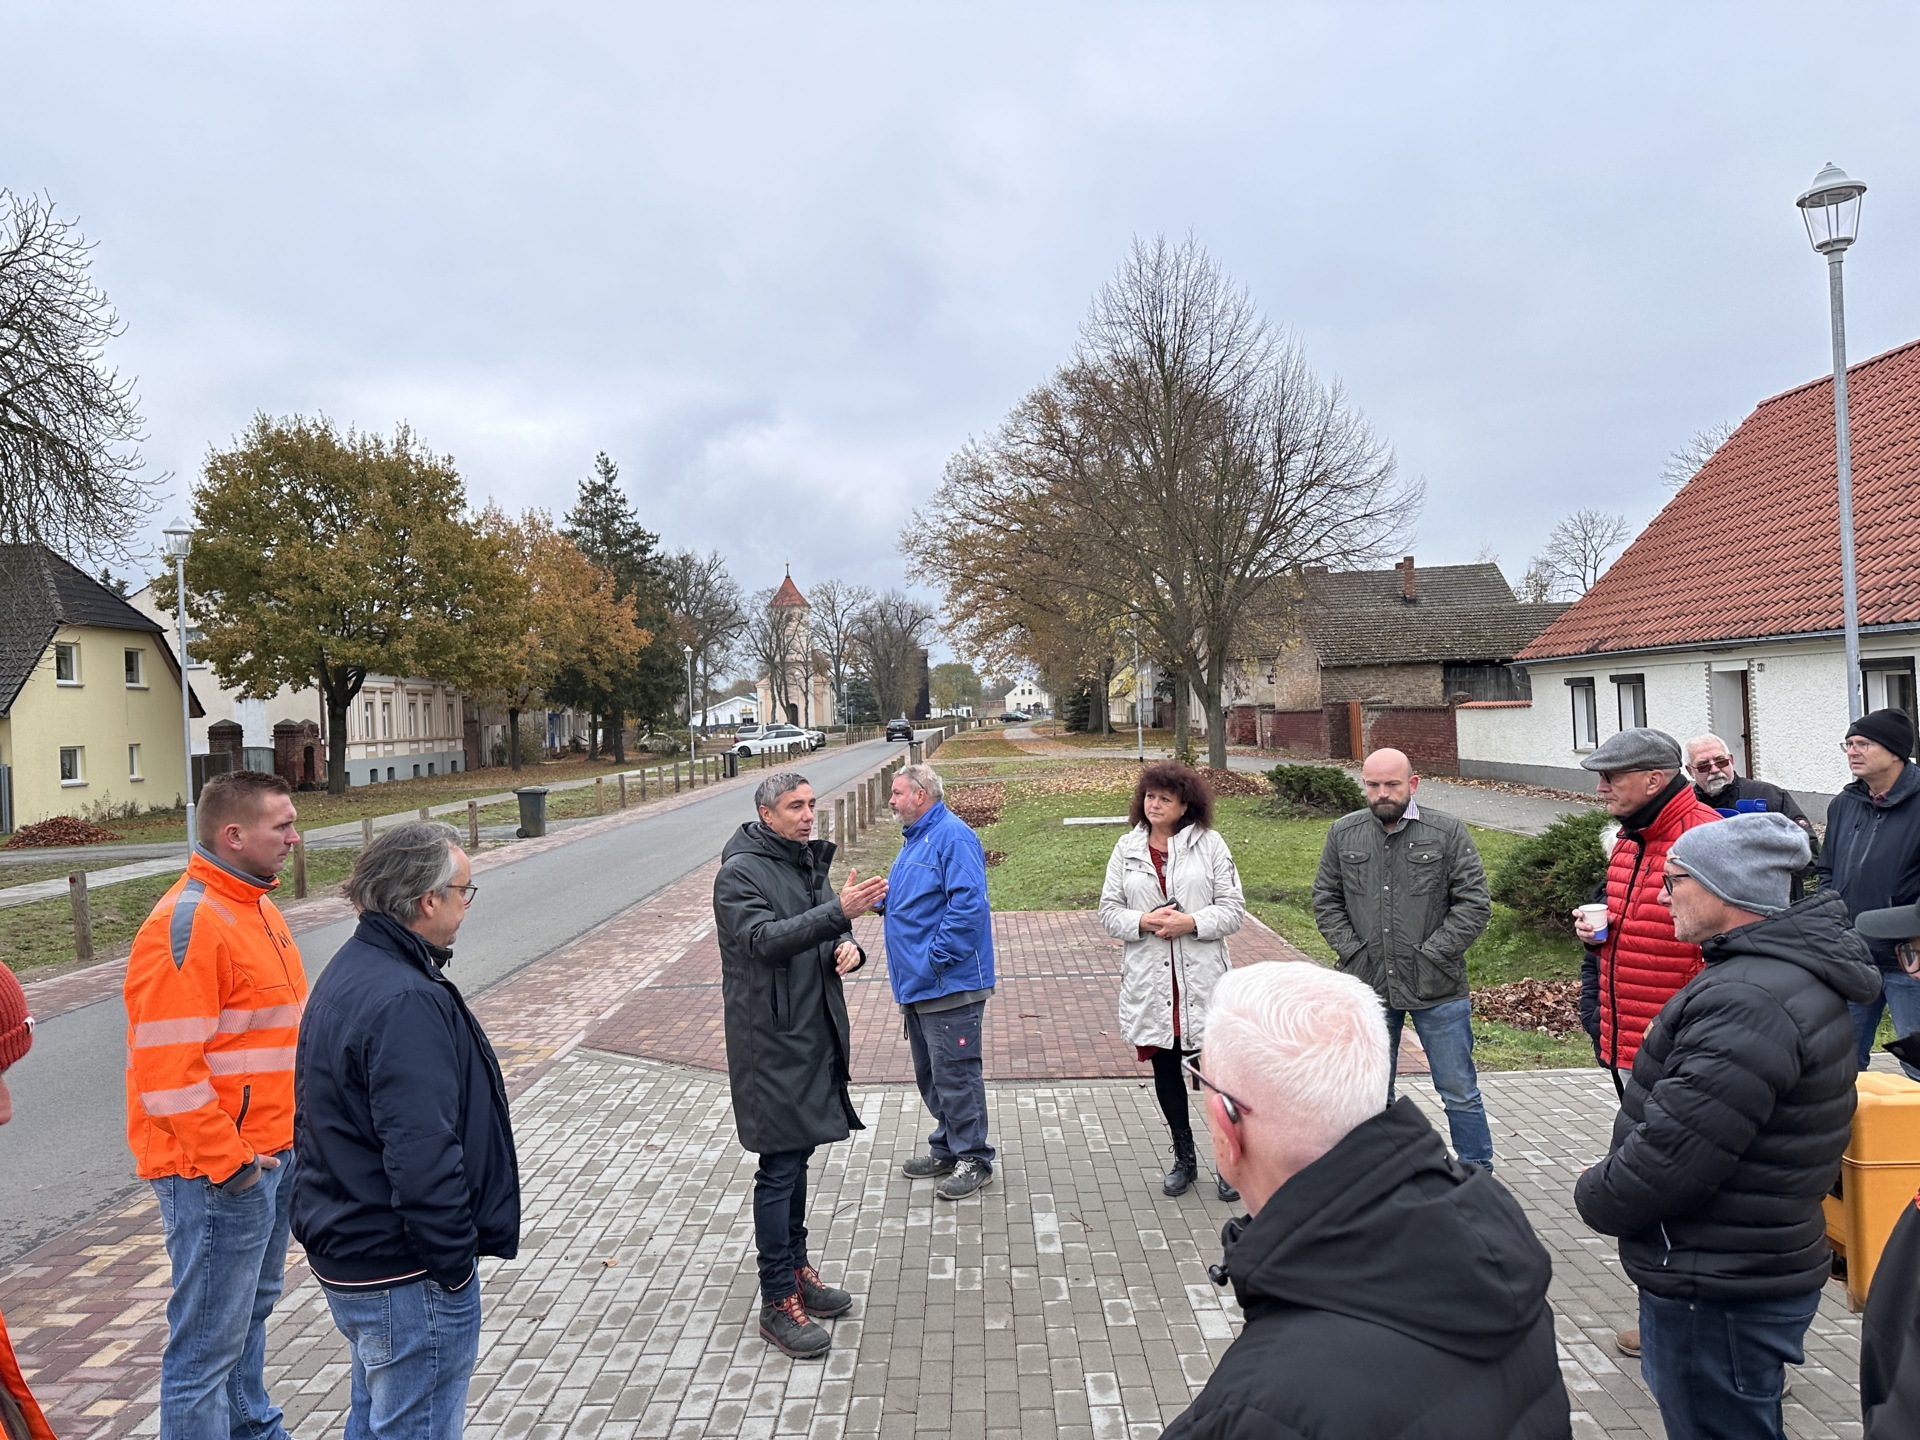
386	719
78	767
366	720
133	763
1586	714
413	719
1630	698
68	651
138	655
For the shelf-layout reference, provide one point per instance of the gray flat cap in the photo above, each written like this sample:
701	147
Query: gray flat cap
1636	749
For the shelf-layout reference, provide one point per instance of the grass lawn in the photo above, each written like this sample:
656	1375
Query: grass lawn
977	744
33	937
1050	866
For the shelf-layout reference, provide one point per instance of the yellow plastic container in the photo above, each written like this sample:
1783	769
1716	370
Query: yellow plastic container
1879	1176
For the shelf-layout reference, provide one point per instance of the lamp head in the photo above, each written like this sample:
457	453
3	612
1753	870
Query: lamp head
1831	208
179	539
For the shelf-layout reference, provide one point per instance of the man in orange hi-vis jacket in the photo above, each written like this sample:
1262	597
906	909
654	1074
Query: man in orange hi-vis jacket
214	993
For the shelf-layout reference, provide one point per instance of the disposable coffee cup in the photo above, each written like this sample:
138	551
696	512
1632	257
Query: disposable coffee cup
1596	916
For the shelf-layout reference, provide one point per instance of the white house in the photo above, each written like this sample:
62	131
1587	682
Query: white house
1028	696
729	713
1725	613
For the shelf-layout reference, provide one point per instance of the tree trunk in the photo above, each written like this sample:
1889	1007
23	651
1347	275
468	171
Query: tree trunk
336	740
1106	696
1216	714
513	737
1182	714
617	731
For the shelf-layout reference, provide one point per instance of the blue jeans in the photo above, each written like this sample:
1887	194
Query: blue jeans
952	1081
1717	1370
780	1220
1446	1034
414	1348
229	1254
1900	993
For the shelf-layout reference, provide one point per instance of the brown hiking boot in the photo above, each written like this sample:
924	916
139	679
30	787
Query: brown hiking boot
819	1298
1627	1342
785	1326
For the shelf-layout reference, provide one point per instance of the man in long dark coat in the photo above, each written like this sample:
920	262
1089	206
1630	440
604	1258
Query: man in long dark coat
785	941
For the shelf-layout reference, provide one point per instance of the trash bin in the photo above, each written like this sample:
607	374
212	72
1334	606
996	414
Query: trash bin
729	764
1879	1175
533	811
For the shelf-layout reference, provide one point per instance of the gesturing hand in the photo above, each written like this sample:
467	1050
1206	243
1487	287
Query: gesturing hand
846	958
859	896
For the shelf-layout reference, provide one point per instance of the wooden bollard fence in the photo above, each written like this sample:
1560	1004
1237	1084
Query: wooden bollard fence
623	790
840	822
82	916
299	867
599	794
366	831
473	825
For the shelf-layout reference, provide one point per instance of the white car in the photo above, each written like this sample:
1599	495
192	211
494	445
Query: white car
778	739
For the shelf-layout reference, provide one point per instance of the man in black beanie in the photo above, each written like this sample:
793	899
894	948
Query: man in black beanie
1872	857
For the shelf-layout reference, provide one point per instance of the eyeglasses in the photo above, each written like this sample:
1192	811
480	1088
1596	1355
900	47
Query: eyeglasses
1857	742
1907	952
465	892
1234	1108
1714	762
1666	880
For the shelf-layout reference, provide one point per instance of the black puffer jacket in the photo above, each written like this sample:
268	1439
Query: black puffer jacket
1736	1114
405	1157
1872	854
788	1043
1388	1290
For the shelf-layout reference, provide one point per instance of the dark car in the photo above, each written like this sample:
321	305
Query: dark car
900	729
1015	717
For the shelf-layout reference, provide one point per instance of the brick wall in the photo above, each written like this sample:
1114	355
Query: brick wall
1304	730
1425	732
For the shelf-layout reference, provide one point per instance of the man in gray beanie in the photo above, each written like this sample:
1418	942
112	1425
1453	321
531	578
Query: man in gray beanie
1737	1110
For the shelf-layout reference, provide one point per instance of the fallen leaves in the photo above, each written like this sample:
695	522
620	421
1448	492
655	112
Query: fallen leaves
60	830
1551	1007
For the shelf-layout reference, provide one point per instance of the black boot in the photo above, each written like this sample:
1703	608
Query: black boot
1225	1191
1185	1167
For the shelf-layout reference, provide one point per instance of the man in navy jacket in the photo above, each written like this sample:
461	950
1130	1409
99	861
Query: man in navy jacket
940	960
407	1173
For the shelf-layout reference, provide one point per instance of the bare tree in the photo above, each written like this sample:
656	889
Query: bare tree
890	634
1577	554
1184	461
1538	585
1683	464
836	613
69	430
709	612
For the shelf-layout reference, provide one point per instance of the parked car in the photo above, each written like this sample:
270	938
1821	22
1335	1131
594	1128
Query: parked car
777	740
900	729
1015	717
747	730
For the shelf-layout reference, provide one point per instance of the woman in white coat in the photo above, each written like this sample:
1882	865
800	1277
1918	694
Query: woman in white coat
1173	895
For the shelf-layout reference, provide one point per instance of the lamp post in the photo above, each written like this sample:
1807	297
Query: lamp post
179	543
1139	715
1831	208
693	743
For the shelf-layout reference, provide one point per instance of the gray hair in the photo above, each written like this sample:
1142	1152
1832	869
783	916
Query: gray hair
925	779
766	795
402	865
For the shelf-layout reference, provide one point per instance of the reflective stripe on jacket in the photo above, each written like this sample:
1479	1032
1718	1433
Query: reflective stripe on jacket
214	992
1642	965
1201	877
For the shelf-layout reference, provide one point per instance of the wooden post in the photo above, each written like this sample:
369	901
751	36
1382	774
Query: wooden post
840	822
82	916
423	813
299	867
599	794
643	787
473	826
623	791
366	830
676	777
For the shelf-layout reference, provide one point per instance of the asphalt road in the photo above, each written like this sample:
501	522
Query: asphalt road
64	1157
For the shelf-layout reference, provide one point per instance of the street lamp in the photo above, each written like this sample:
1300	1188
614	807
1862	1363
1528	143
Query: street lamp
1831	208
179	543
1139	714
693	743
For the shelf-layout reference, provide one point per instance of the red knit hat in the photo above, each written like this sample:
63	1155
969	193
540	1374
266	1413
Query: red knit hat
16	1025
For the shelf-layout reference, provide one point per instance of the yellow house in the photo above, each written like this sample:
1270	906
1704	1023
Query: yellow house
89	697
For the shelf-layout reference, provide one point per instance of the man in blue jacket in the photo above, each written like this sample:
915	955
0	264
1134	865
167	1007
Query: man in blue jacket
939	932
407	1173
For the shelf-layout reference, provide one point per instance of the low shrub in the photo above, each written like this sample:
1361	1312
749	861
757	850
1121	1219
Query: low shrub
1546	875
1316	789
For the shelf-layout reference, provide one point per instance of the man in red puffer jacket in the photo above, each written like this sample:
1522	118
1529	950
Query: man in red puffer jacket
1638	965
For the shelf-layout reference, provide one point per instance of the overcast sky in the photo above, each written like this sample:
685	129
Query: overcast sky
781	260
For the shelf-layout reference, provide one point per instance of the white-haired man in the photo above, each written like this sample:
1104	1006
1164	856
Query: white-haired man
1388	1289
1717	783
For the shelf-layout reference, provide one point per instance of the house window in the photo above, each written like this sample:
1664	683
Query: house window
72	765
136	669
1889	684
450	727
1586	713
386	719
413	720
366	721
133	763
1632	693
66	664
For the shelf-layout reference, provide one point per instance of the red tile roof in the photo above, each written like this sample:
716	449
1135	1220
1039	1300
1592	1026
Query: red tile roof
788	594
1750	547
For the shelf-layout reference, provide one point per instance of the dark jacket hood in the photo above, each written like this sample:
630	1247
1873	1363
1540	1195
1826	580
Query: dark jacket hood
755	838
1815	934
1903	789
1386	1228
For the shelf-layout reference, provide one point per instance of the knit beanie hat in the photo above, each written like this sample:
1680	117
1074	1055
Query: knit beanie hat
1749	861
16	1026
1890	729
